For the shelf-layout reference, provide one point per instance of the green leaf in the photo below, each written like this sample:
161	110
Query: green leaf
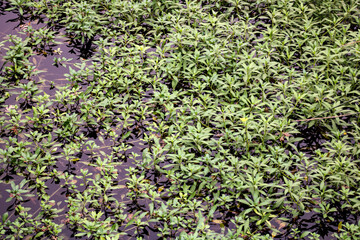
5	217
304	234
126	135
212	211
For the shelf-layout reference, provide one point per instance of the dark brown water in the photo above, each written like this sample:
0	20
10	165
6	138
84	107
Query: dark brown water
9	24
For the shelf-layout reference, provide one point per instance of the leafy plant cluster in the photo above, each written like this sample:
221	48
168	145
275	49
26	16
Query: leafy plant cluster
201	119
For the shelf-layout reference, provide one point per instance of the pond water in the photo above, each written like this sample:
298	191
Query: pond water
52	74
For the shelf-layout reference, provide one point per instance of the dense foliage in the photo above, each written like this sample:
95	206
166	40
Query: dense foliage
233	119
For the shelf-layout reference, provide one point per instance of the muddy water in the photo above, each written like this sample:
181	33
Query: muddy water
9	24
55	74
6	27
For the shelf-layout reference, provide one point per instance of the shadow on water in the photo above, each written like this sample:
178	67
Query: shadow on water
313	139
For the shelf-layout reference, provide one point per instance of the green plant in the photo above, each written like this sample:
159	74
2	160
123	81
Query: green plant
190	119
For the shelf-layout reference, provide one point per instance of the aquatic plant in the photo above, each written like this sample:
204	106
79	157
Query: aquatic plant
181	120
